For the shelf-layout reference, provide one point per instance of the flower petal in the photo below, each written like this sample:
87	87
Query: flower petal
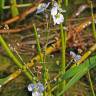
54	11
31	87
40	87
58	19
42	7
73	54
54	19
56	4
77	57
36	93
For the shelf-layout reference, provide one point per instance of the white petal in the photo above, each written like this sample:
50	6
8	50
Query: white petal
30	87
59	9
73	54
77	57
54	19
61	19
0	86
42	7
58	19
56	4
47	4
54	11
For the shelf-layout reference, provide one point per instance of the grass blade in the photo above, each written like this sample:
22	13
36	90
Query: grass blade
80	70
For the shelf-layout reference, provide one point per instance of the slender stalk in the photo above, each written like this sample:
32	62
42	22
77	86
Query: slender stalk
12	56
45	56
44	74
91	84
37	40
63	44
93	20
48	50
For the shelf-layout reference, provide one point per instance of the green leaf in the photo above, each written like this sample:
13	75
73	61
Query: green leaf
71	72
73	80
4	80
77	73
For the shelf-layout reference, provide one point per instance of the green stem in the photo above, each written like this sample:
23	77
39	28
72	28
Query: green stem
45	57
91	85
93	21
12	56
44	73
63	44
63	41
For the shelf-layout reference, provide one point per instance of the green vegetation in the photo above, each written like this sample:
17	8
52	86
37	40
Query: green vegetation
47	48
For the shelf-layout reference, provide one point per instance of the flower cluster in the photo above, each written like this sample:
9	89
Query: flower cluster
75	56
56	13
36	89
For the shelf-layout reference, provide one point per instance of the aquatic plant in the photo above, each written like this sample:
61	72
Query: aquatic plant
52	29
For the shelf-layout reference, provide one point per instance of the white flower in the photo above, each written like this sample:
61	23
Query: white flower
54	11
37	89
40	87
55	4
59	9
58	18
31	87
0	86
75	56
36	93
42	7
